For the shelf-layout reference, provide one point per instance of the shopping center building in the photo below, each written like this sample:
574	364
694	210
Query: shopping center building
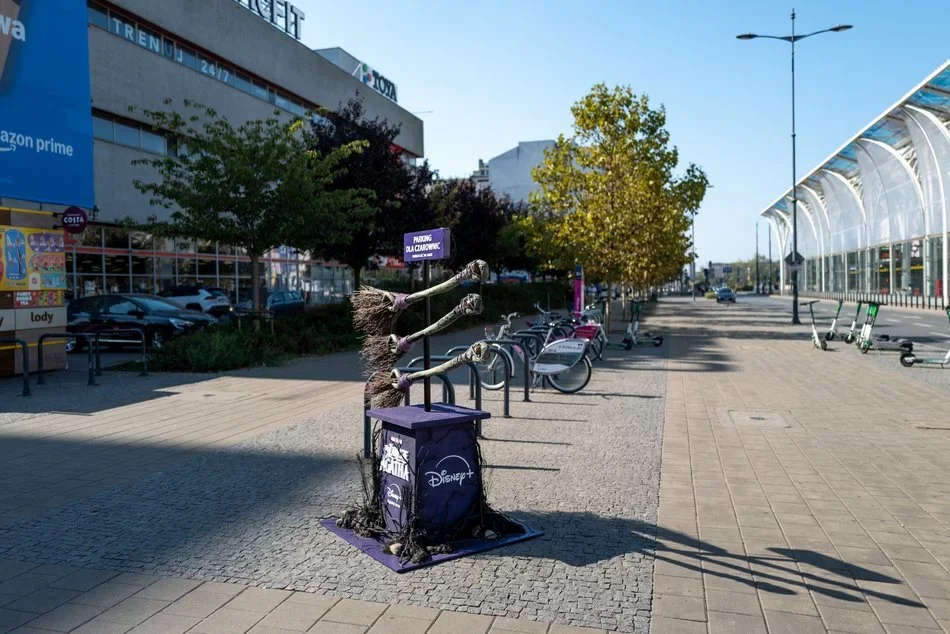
872	217
244	59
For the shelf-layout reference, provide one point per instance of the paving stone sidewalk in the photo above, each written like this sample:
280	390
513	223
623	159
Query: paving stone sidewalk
218	488
800	491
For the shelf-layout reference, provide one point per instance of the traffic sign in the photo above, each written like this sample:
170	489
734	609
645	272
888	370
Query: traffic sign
794	259
727	269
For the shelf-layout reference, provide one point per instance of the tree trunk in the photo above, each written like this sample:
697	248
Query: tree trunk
255	281
357	276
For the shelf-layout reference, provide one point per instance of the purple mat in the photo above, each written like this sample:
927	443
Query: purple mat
464	547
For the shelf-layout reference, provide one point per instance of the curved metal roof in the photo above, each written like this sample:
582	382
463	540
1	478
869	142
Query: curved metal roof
932	94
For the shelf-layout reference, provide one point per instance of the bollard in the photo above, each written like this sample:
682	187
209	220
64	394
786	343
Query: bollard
26	362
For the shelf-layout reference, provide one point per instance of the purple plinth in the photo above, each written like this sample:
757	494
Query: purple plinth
432	458
464	547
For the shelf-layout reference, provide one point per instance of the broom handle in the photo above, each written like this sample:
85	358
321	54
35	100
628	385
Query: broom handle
475	270
470	305
475	353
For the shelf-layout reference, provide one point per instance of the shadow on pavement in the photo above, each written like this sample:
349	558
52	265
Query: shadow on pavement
584	539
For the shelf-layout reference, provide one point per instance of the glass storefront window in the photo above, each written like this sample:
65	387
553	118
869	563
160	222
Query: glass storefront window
208	272
117	284
143	285
934	254
91	237
116	238
117	265
141	241
142	265
204	246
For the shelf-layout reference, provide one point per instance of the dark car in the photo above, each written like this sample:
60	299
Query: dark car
159	318
283	303
725	294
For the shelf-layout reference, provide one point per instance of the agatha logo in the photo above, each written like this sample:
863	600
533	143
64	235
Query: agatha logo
395	461
442	476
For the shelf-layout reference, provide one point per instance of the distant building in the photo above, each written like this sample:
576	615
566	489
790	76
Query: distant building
510	173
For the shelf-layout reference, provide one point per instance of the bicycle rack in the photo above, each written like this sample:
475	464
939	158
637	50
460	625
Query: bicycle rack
40	377
448	395
26	362
142	338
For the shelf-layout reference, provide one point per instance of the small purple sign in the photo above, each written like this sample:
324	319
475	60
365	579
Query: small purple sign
433	244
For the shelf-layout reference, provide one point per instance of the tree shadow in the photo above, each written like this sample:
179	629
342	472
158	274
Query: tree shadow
584	539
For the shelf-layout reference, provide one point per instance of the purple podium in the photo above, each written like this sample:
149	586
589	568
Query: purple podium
430	473
430	459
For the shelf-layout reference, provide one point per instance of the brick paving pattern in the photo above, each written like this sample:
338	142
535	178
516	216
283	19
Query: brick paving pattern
799	492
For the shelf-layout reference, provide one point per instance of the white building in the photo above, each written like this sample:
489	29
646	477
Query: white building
510	173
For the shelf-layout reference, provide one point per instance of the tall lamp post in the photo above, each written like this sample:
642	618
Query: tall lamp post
791	39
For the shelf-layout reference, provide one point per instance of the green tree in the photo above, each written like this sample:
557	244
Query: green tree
608	196
399	203
255	186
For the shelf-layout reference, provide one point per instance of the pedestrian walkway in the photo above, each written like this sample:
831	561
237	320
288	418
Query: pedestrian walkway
801	491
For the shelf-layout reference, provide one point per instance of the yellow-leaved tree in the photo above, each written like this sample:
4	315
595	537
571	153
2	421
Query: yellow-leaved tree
609	198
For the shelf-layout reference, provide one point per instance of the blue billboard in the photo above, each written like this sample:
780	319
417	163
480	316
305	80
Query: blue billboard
45	102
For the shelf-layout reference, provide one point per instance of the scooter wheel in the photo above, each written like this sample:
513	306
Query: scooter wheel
864	349
657	342
849	338
907	360
824	345
829	336
628	345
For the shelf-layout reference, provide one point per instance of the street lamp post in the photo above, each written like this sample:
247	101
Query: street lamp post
791	39
693	260
758	285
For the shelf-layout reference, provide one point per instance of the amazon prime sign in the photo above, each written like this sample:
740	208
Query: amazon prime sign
280	13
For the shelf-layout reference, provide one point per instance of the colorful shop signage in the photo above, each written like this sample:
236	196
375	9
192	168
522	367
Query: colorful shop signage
37	299
280	13
32	259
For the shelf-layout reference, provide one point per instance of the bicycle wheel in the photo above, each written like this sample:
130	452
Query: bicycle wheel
597	348
574	379
491	373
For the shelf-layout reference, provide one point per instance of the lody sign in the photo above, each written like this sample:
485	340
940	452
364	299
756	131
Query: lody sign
280	13
434	244
45	118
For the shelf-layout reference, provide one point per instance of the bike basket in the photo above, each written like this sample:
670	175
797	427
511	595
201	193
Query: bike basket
586	332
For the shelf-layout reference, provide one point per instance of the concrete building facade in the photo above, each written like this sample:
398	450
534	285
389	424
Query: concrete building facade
509	173
244	62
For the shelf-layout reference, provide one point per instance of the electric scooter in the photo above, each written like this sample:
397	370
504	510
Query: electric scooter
642	338
833	331
818	342
865	342
908	360
851	336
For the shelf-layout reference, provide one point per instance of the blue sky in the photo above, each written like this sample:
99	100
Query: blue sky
497	72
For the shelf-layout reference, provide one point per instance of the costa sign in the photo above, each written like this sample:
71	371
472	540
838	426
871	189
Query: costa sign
75	220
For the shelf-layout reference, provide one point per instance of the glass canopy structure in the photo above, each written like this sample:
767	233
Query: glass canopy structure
872	217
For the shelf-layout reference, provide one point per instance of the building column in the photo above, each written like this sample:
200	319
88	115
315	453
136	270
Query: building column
905	267
891	267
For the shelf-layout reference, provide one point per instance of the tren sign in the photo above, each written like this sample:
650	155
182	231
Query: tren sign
280	13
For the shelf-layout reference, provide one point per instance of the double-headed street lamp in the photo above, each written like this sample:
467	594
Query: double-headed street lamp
791	39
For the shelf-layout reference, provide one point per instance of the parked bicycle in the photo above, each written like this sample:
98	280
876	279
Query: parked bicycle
554	358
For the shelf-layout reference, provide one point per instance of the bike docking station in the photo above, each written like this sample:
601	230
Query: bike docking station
424	501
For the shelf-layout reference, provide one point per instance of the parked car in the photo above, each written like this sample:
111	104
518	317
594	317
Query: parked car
213	301
283	303
725	294
159	318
